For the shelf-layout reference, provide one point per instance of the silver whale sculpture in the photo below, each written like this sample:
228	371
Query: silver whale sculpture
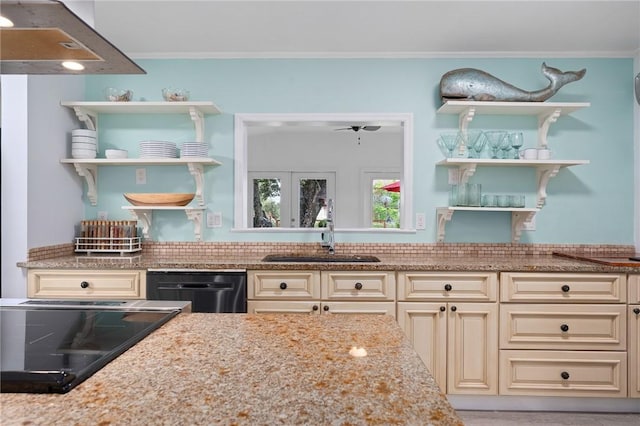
477	85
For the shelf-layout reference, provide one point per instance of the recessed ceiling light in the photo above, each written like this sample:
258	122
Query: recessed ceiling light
5	22
74	66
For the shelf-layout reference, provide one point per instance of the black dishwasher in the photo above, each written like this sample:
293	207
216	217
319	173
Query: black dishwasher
208	291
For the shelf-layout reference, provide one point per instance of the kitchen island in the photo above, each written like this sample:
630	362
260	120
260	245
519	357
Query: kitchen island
250	369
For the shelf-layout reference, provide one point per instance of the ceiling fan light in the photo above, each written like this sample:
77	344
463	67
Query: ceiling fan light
5	22
73	66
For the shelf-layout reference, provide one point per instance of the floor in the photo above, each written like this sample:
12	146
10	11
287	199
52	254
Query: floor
523	418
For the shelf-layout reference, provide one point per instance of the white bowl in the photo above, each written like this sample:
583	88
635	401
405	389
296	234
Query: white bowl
116	153
83	139
84	132
83	153
82	145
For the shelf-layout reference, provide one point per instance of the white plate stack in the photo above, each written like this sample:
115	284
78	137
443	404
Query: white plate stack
194	149
84	143
158	149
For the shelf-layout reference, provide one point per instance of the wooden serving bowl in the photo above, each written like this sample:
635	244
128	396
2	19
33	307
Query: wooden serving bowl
159	199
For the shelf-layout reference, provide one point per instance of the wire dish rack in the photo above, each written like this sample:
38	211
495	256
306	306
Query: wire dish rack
123	246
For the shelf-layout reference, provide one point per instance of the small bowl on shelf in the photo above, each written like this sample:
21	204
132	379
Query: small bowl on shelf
116	153
118	95
159	199
175	95
83	153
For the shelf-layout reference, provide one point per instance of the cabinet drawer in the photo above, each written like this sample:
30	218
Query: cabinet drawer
562	287
601	327
359	308
283	285
287	307
358	285
563	373
87	284
454	286
634	289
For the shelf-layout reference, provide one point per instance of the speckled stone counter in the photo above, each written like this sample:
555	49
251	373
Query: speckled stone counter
252	370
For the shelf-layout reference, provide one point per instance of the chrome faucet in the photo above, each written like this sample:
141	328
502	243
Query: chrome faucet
328	239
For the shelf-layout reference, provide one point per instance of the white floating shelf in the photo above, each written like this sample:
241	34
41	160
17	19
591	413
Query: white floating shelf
144	214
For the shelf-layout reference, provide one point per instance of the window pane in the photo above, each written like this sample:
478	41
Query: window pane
313	194
266	203
385	203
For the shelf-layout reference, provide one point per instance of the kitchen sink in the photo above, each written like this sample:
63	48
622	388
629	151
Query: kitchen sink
319	258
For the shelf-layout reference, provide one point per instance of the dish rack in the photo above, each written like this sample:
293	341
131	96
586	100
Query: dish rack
104	236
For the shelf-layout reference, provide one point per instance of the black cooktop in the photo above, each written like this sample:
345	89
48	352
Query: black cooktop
53	350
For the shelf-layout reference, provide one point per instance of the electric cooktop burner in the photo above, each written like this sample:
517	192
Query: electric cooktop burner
53	350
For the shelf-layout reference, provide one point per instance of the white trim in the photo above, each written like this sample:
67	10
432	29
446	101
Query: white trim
243	120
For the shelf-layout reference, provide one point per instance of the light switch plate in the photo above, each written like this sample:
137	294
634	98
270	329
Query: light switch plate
103	215
420	221
530	226
141	176
214	219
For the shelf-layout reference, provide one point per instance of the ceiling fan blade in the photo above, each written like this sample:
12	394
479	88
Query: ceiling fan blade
345	128
371	128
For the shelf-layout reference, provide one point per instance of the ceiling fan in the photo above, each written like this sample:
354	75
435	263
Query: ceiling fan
358	128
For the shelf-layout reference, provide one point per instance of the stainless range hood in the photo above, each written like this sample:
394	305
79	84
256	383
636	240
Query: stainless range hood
46	33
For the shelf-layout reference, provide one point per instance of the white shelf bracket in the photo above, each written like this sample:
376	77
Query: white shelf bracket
89	120
444	215
197	171
465	118
544	121
144	216
465	171
90	175
196	217
198	120
518	219
544	174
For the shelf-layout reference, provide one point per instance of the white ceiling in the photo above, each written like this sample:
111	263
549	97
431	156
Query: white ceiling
330	28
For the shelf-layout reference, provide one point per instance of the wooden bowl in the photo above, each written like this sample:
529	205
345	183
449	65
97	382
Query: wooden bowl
159	199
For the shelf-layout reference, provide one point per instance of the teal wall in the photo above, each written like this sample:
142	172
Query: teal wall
587	204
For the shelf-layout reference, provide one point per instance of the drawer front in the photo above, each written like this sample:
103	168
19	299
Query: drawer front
531	326
283	285
634	289
563	373
358	285
359	308
286	307
562	287
454	286
87	284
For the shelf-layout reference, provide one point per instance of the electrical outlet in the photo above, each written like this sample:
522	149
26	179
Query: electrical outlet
102	215
214	219
420	221
141	176
530	226
453	176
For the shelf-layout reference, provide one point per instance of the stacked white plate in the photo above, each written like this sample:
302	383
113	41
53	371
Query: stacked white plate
194	149
158	149
83	143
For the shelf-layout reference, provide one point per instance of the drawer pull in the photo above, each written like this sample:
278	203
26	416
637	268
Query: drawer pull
283	286
358	286
315	307
453	308
564	375
84	284
447	287
636	311
565	288
325	308
442	309
564	327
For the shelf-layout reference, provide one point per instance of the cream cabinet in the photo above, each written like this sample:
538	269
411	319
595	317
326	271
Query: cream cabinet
634	336
563	334
452	321
326	292
86	284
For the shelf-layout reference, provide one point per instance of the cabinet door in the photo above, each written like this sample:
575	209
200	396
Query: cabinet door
634	351
279	307
425	324
634	289
87	284
448	286
472	349
373	308
289	285
562	287
354	285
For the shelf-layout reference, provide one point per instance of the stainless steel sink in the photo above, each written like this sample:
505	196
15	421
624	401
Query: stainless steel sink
319	258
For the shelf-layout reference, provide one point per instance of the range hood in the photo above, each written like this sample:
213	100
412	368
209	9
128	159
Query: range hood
46	33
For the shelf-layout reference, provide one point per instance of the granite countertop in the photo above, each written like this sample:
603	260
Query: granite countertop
253	370
521	263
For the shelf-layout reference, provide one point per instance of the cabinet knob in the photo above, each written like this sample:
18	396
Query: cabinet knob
564	327
565	288
636	311
84	284
453	308
358	286
325	308
442	309
315	307
564	375
447	287
283	286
